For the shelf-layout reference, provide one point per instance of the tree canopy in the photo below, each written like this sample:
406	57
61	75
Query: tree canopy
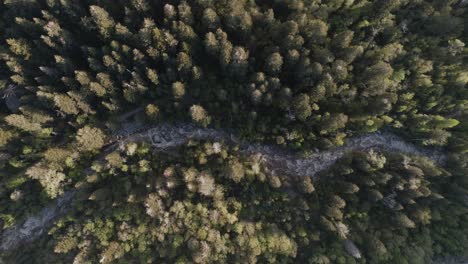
80	79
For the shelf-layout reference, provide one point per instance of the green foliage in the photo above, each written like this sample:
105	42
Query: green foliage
301	74
338	57
220	208
23	123
302	107
50	179
5	137
199	115
90	138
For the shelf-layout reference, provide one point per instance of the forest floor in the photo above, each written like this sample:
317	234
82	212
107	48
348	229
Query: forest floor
166	137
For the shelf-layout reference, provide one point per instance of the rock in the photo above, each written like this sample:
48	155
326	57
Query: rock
11	98
165	136
12	103
34	226
352	249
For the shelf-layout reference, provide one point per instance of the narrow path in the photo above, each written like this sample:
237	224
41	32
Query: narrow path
165	137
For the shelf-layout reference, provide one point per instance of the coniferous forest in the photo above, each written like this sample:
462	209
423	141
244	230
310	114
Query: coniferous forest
233	131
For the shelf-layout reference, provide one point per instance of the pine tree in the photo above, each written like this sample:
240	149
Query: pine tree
210	19
51	180
66	104
376	79
301	106
20	47
206	184
307	186
23	123
90	138
104	22
235	171
274	63
154	205
199	115
403	221
5	136
178	90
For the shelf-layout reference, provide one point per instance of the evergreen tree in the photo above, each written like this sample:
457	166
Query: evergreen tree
90	138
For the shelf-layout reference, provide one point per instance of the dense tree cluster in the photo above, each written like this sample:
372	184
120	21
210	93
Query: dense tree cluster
358	64
216	205
305	75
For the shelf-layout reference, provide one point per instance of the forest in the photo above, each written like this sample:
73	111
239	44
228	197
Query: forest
177	130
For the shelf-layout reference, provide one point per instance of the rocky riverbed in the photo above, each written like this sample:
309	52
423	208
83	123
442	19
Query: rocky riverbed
169	136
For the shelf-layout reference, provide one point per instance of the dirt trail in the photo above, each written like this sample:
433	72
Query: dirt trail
165	137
